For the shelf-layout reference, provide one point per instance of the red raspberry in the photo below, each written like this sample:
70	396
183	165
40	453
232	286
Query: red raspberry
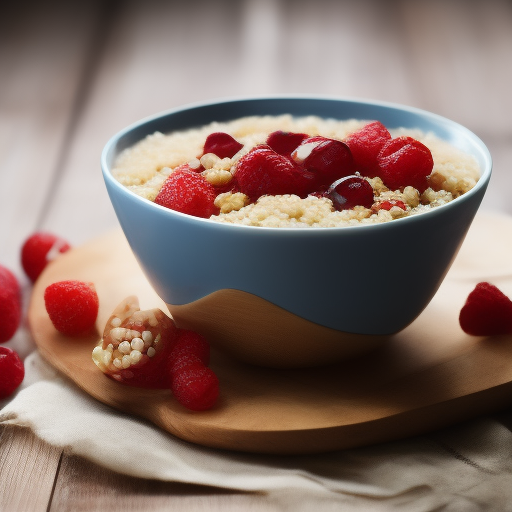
285	143
72	306
487	312
10	304
222	144
328	159
191	343
38	250
12	372
405	161
188	192
196	387
365	145
263	171
350	191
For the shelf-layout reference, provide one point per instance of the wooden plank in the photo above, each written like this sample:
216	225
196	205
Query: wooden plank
83	486
28	468
43	47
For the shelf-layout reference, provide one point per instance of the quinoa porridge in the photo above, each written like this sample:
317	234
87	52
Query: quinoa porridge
281	171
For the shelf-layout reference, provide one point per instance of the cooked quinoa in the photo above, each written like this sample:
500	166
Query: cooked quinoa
144	167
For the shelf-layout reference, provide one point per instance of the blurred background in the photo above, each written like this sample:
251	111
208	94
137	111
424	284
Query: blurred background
74	73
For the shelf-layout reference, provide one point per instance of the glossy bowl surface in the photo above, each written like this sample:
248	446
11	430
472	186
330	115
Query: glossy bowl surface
372	279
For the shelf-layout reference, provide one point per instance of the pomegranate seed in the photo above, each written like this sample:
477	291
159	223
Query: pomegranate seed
350	191
222	144
285	143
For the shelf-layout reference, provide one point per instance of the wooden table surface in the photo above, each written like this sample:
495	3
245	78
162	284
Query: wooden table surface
74	73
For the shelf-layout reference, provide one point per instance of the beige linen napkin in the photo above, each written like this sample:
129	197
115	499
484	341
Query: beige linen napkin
466	468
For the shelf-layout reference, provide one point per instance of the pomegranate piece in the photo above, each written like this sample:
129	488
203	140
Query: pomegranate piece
72	306
10	304
365	145
350	191
285	143
405	161
12	372
487	312
38	250
328	159
263	171
222	144
136	345
188	192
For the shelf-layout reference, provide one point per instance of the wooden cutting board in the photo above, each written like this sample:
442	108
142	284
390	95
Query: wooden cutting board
429	376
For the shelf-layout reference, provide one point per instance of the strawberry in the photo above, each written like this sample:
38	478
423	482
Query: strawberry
365	145
405	161
222	144
72	306
262	171
10	304
12	372
38	250
188	192
487	312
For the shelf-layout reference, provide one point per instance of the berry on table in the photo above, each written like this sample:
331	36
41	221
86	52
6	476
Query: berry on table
188	192
405	161
487	312
38	250
12	372
10	304
196	387
222	144
351	191
72	306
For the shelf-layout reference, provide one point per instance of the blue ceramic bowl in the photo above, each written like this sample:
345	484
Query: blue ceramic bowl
326	276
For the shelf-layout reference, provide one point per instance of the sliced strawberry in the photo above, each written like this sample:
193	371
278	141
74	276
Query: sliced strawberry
262	171
136	345
365	145
10	304
487	312
222	144
404	161
285	143
188	192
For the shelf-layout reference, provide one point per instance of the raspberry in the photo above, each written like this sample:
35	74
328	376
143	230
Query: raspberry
191	343
285	143
350	191
12	372
10	304
38	250
405	161
222	144
328	159
72	306
487	312
263	171
188	192
365	145
196	387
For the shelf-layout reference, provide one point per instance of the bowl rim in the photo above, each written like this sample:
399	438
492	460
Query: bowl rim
477	143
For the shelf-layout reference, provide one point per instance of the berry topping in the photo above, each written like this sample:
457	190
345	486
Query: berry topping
487	312
327	159
135	346
285	143
72	306
387	205
365	145
196	387
10	304
12	372
188	192
38	250
350	191
263	171
222	145
405	161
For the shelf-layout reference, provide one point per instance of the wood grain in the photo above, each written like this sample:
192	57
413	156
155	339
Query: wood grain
426	377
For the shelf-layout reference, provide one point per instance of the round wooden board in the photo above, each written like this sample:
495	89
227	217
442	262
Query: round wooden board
426	377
